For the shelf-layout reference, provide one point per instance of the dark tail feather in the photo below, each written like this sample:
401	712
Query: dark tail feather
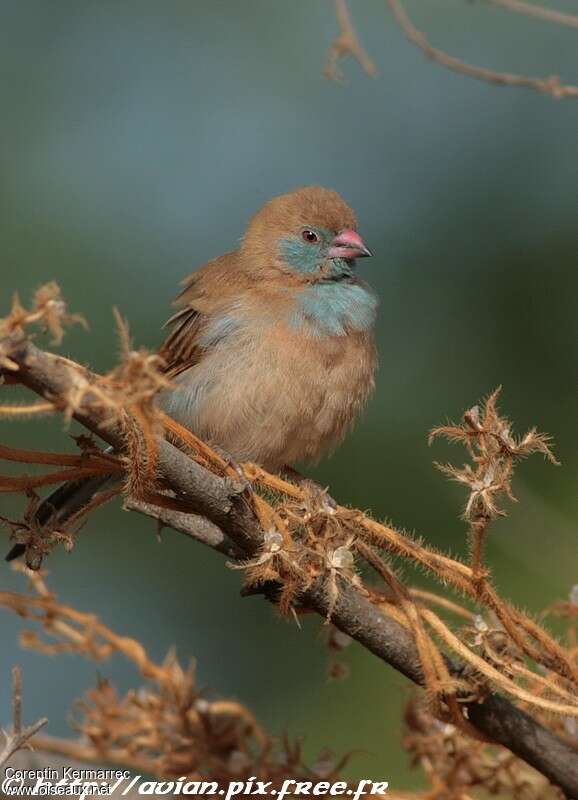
17	551
62	504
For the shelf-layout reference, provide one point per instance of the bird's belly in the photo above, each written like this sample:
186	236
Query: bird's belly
276	400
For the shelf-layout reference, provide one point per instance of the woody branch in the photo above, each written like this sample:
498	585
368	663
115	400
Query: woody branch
222	517
347	43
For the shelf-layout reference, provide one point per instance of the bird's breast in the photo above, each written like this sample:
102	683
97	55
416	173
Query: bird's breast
277	390
334	308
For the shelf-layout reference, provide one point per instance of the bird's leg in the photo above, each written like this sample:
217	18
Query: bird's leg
327	502
228	458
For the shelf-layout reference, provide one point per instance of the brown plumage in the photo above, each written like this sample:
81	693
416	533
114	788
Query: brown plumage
255	372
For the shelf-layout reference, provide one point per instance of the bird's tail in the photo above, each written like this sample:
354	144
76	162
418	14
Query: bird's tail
63	503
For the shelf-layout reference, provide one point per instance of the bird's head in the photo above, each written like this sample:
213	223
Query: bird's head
311	231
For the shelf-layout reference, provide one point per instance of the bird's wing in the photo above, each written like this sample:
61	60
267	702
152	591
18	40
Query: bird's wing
205	294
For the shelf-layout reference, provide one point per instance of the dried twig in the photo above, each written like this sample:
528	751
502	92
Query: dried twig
166	727
19	737
346	44
539	12
552	85
494	452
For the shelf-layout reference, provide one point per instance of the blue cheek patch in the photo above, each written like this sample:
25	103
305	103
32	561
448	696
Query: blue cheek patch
332	308
301	255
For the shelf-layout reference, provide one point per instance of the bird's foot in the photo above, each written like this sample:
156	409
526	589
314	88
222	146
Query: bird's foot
320	496
236	467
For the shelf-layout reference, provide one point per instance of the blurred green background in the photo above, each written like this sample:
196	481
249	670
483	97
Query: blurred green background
138	137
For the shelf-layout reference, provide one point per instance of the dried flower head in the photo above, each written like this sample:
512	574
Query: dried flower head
455	764
494	451
49	309
168	726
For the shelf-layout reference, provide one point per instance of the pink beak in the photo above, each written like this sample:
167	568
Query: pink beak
348	244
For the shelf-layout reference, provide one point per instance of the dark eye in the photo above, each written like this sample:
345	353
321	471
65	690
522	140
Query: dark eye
310	236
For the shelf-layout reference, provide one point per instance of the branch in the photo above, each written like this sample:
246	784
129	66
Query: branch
231	526
219	500
552	85
192	525
19	738
540	12
346	44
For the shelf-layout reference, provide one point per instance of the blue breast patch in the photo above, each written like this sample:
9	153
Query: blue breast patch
331	308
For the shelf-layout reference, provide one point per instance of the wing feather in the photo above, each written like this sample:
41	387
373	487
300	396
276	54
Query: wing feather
205	293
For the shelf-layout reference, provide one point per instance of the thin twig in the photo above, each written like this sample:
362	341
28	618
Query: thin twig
346	44
19	737
552	85
17	702
540	12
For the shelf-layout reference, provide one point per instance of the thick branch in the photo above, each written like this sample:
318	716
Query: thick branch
232	528
220	500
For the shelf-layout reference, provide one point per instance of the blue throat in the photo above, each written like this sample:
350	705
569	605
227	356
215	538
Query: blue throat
334	307
336	304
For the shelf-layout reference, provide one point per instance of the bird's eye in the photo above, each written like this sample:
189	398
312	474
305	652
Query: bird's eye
310	236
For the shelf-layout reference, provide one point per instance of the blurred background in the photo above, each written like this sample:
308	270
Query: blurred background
137	138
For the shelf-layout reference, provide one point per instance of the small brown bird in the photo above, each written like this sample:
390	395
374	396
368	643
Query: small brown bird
272	353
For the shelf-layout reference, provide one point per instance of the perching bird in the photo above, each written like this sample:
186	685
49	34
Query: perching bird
272	353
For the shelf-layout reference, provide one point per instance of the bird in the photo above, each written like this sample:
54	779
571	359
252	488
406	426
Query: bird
271	353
